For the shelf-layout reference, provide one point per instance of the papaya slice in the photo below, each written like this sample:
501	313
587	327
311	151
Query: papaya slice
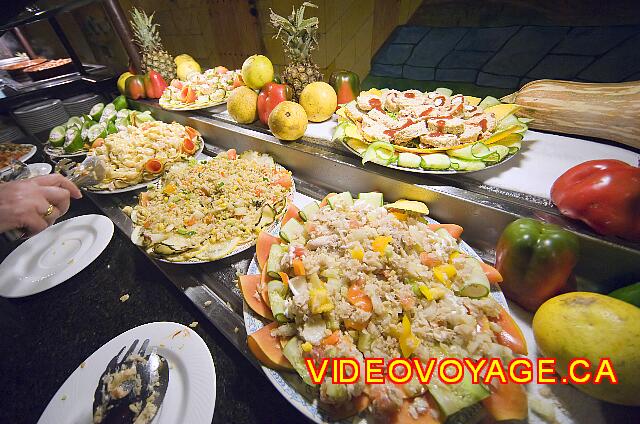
267	349
507	402
433	416
263	245
249	288
348	409
492	274
454	229
292	212
511	336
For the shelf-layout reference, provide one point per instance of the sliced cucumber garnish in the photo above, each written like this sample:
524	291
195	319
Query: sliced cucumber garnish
291	230
375	198
341	199
309	211
436	161
466	165
379	152
409	160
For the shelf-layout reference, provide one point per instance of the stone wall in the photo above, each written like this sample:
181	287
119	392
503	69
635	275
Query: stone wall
507	57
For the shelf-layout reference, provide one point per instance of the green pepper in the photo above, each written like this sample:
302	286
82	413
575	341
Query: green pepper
630	294
535	260
346	84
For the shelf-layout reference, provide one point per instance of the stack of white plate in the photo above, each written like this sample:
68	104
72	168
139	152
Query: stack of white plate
10	133
41	116
82	104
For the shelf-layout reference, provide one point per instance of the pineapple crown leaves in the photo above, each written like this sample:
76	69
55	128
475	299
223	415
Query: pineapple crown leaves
298	35
145	31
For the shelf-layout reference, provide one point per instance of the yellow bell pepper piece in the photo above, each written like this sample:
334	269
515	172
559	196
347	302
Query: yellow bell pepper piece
319	300
380	244
169	189
454	255
306	347
426	292
444	273
408	341
399	215
357	253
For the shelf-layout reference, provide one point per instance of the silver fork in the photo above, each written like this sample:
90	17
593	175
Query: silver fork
88	173
153	374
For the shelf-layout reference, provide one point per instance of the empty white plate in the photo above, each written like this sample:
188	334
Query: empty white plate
191	393
39	168
55	255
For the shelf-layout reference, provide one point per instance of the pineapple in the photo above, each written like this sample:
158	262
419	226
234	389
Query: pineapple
299	37
154	55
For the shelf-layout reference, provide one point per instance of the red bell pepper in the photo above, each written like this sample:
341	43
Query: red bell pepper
346	84
154	84
134	87
604	194
271	95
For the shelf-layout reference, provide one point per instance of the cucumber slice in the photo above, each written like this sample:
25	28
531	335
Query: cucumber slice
379	152
291	230
309	211
75	121
466	165
488	102
276	299
454	397
108	112
476	283
274	266
293	353
508	122
57	136
479	150
96	131
358	145
435	161
73	140
375	199
463	153
96	111
444	91
409	160
267	216
341	199
499	151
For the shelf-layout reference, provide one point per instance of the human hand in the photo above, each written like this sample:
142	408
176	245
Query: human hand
35	203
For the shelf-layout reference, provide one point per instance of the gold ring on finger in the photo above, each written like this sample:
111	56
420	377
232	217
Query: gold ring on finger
49	210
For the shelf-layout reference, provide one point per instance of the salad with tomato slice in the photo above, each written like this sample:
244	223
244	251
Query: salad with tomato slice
200	90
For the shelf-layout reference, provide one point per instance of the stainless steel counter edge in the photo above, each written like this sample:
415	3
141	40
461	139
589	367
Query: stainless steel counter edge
482	214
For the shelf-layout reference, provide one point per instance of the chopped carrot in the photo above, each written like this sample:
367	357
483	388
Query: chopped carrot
453	229
355	325
332	339
285	181
357	297
298	267
190	221
285	279
97	143
232	154
428	259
